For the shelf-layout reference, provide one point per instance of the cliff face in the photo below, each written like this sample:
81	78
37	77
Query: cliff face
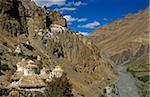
42	35
125	40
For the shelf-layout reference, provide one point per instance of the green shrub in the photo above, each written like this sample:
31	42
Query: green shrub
144	78
59	87
143	93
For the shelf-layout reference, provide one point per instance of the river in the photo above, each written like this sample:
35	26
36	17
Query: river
126	83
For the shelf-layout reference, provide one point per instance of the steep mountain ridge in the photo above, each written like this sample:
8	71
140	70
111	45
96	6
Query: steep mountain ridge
125	40
42	35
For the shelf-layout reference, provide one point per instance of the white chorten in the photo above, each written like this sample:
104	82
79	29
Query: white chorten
18	50
30	68
57	72
20	65
44	73
108	91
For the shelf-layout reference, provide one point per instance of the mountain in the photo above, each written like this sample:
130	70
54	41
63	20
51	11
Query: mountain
125	40
43	36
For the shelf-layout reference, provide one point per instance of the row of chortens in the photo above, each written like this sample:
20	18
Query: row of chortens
25	77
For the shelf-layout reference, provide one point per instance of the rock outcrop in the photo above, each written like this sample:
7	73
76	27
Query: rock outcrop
42	35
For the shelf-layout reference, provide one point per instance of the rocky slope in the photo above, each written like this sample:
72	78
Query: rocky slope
125	40
42	35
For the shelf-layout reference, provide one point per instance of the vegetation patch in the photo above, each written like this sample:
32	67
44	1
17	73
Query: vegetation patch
138	68
143	93
144	78
59	87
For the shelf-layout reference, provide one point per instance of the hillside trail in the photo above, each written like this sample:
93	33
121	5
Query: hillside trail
126	83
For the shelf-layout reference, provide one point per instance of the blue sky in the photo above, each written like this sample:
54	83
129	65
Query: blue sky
86	15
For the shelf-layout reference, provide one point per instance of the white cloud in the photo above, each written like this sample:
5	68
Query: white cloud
50	2
69	19
84	33
82	19
69	23
105	19
78	3
57	2
66	9
90	25
75	3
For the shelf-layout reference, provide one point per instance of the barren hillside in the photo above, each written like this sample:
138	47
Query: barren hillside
125	40
43	33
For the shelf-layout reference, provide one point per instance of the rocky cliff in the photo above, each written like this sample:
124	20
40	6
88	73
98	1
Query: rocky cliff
125	40
42	35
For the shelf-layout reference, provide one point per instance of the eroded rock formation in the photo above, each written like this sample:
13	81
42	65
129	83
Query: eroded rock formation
42	36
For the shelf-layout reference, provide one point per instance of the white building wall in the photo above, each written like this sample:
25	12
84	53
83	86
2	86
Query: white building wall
57	74
28	71
51	75
20	69
108	91
18	50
